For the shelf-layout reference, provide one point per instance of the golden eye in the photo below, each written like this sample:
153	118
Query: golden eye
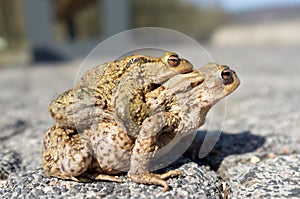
226	74
173	60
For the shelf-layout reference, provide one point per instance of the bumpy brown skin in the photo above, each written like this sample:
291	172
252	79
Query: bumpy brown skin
128	99
172	110
92	100
66	153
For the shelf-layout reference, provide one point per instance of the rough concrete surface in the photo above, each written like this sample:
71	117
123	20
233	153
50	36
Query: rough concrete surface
256	156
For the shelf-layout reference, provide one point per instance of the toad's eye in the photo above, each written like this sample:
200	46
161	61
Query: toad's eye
226	75
173	60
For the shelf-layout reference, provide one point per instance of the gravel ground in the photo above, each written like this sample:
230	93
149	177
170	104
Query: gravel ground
257	155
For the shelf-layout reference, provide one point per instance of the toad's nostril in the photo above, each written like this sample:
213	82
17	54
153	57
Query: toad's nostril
196	83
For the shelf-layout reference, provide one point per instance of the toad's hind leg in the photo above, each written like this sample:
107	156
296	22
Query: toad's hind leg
65	154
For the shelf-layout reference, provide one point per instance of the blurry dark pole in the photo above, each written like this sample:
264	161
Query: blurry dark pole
116	16
40	30
66	11
71	28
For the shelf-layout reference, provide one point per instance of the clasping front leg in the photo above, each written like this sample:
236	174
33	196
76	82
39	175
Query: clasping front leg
145	148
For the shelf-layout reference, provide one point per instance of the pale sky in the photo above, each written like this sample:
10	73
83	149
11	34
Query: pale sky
240	5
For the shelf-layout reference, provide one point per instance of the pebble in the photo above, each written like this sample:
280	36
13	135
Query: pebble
254	159
53	182
271	155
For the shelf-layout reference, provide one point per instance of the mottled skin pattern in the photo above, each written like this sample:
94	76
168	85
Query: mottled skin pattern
137	82
67	153
91	100
171	108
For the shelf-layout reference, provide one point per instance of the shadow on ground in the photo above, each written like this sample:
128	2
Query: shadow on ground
227	144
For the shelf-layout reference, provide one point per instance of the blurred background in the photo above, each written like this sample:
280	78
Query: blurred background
43	44
56	30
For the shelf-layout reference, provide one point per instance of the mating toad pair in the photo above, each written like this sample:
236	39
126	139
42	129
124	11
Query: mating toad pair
120	113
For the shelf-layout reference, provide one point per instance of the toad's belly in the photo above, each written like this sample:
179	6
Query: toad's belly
112	148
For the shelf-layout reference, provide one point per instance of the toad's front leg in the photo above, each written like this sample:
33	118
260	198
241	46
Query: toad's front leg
145	147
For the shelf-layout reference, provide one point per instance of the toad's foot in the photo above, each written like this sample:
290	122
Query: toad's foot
108	178
152	178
